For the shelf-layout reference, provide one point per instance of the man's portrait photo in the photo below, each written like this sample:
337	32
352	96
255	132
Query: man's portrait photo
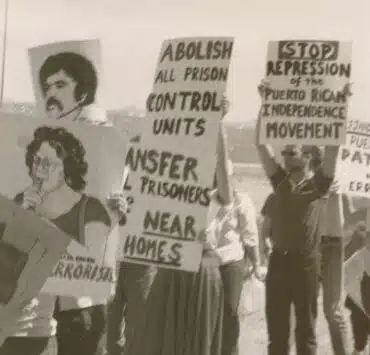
68	82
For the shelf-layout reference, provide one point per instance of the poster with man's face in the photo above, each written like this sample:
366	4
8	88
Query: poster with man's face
67	80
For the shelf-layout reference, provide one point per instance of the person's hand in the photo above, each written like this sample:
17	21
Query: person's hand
260	273
225	105
204	238
347	90
360	230
267	248
118	203
32	198
263	87
335	187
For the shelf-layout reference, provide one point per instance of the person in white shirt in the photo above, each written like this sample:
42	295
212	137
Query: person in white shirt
232	236
332	274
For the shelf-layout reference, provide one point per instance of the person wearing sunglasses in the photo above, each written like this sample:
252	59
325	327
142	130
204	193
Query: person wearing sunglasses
297	214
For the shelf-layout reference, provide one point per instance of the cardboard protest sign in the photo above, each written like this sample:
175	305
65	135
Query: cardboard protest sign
354	159
64	172
357	279
173	165
357	272
67	80
131	126
306	103
29	248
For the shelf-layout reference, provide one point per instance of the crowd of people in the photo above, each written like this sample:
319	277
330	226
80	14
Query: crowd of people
156	311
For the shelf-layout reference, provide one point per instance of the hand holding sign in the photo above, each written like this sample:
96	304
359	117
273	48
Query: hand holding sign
32	197
263	87
347	90
118	202
225	105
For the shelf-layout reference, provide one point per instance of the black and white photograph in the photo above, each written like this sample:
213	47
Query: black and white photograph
204	167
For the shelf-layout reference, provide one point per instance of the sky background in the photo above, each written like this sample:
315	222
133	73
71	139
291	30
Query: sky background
131	33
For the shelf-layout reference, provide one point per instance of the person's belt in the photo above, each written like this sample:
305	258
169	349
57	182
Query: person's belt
288	252
330	238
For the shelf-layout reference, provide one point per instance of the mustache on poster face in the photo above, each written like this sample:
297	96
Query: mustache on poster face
52	101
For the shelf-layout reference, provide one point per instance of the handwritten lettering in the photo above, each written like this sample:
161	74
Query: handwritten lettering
308	50
182	193
168	224
175	166
174	126
184	101
197	50
304	111
82	271
307	68
155	250
299	130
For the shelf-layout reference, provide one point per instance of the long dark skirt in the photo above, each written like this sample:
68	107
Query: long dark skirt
182	315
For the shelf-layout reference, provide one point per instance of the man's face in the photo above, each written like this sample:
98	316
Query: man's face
296	158
47	168
59	94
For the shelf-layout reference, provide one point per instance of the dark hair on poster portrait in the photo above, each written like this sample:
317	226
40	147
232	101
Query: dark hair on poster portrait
68	148
76	66
57	165
68	82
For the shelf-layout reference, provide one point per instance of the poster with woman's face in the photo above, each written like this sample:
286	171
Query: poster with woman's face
67	80
63	172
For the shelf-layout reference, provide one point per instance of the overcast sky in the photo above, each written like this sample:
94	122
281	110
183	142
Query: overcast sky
131	32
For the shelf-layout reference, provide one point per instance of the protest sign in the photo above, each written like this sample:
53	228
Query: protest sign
306	103
29	248
354	159
64	172
357	267
357	279
67	80
173	165
131	126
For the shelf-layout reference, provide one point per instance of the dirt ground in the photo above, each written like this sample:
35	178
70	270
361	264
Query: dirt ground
253	335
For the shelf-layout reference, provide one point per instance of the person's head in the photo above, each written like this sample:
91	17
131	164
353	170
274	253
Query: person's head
56	157
68	82
301	158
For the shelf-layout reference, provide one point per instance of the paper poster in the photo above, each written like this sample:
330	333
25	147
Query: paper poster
64	173
173	165
357	279
29	248
67	80
131	126
306	104
357	272
354	159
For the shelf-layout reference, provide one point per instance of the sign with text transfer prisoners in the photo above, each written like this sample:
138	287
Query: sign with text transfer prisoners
173	166
306	103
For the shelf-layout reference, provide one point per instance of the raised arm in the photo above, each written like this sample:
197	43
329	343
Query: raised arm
222	176
329	164
272	169
248	229
265	152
